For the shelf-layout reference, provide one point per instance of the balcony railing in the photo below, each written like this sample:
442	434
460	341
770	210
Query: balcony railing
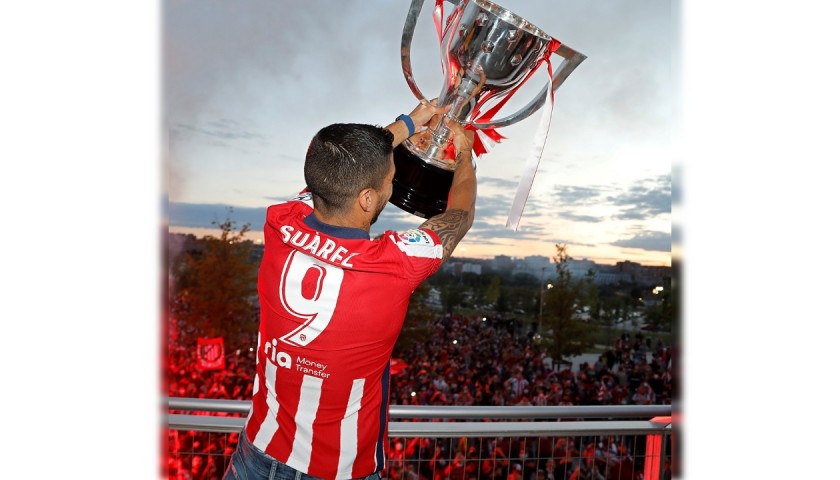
613	442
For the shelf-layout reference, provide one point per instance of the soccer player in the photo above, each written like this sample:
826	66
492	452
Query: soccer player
333	301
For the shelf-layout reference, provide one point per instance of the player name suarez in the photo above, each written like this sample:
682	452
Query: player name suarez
323	248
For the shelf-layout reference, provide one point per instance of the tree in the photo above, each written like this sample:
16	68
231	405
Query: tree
569	336
591	298
215	286
525	280
663	313
451	297
502	302
493	290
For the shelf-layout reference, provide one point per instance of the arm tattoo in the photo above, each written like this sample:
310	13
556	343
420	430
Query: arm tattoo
451	226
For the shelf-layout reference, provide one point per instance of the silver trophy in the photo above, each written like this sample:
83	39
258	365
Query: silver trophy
486	52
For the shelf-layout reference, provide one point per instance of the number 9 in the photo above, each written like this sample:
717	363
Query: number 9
316	312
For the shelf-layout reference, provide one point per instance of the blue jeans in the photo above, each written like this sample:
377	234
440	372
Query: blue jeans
250	463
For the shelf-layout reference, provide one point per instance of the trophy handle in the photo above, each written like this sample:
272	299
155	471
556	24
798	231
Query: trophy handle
571	59
405	46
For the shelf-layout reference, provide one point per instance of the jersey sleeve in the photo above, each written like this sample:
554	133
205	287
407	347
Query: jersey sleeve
421	252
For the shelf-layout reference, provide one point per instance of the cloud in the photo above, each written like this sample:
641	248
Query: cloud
653	241
492	206
569	195
645	199
528	230
491	213
260	56
577	217
224	129
631	47
498	182
575	243
198	215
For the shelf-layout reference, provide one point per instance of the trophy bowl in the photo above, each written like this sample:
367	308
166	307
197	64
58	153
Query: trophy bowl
487	52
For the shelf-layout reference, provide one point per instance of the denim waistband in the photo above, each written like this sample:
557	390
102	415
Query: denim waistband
270	467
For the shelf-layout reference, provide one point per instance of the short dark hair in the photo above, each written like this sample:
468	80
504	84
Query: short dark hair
343	159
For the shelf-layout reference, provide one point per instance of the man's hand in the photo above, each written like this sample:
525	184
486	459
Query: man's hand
420	117
462	139
424	111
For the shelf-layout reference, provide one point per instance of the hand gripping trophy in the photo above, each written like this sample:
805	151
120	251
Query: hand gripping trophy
487	53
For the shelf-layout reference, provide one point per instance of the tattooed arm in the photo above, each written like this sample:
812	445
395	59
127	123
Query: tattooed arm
453	224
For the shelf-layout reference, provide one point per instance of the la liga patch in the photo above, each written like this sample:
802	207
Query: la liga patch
415	237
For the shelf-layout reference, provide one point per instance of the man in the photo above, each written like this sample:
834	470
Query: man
333	301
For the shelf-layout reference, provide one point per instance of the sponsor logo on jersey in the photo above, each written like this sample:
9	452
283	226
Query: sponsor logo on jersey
277	357
301	364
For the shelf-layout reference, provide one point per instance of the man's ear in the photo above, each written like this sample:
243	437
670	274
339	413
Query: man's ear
366	200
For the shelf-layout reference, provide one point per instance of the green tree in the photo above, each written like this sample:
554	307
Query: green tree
479	295
525	279
451	297
470	279
569	336
502	302
215	286
663	314
591	298
493	290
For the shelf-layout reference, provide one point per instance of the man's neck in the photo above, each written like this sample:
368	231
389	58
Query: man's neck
343	220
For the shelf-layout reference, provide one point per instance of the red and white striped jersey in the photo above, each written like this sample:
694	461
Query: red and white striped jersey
332	303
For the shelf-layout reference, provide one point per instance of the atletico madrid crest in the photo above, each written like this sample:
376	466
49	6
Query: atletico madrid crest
211	353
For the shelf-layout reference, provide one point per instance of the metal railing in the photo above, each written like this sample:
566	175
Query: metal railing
621	442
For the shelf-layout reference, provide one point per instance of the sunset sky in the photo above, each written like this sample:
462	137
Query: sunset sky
245	89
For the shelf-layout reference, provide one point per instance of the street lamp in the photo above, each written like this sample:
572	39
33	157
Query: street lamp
542	296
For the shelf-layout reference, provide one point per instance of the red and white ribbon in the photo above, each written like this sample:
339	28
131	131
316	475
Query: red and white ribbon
526	180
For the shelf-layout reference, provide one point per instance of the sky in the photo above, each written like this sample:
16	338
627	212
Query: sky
84	165
247	85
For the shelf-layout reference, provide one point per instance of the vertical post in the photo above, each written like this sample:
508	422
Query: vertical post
654	452
663	449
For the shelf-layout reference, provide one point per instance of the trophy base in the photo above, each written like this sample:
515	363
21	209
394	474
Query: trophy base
420	188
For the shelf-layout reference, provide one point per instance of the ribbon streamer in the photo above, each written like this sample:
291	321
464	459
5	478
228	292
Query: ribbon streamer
526	180
484	135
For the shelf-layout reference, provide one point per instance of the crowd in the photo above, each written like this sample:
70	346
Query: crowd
491	362
203	455
465	361
506	458
479	361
